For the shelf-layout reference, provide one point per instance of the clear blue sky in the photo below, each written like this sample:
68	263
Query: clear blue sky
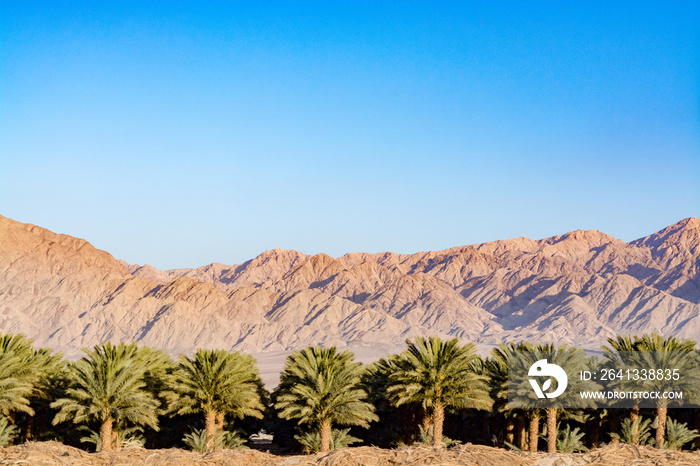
182	133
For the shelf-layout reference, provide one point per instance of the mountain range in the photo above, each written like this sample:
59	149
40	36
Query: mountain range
578	288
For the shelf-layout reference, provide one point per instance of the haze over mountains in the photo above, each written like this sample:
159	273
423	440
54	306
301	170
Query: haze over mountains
577	288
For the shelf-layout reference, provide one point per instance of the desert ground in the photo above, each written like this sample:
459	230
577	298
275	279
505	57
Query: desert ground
54	453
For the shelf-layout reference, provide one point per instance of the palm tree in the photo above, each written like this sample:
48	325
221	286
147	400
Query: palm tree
158	373
670	354
534	415
42	369
653	352
622	353
572	361
497	366
8	432
34	364
593	418
15	374
397	424
217	382
439	376
108	385
24	376
322	387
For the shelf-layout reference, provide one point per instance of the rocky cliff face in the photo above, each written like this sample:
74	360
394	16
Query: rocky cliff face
577	288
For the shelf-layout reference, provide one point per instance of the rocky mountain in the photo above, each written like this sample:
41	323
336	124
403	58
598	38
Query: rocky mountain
577	288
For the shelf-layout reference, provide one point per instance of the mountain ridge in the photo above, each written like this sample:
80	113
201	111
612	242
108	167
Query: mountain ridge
578	288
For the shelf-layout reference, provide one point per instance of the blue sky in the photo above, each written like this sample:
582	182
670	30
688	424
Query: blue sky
183	133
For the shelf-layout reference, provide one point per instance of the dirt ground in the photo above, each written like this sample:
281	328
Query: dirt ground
54	453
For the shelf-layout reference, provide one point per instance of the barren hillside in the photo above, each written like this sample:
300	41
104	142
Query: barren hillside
577	288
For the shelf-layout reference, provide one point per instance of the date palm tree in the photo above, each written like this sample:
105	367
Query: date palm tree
652	352
108	385
622	353
501	359
572	361
43	369
217	383
669	354
439	376
24	376
15	374
397	424
322	387
497	366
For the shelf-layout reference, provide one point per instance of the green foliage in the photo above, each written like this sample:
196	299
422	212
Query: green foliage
439	376
432	373
8	432
426	438
340	438
126	438
376	380
497	370
157	373
25	376
496	367
127	385
572	360
673	354
320	386
232	440
569	441
654	351
22	369
107	385
217	381
198	441
627	429
678	434
398	425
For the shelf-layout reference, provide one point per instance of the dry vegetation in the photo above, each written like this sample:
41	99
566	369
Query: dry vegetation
54	453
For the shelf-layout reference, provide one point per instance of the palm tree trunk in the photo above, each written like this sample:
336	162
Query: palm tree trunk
595	434
438	419
426	423
407	418
661	411
326	436
534	430
106	435
522	432
614	422
210	426
485	428
510	430
552	430
634	415
29	426
219	422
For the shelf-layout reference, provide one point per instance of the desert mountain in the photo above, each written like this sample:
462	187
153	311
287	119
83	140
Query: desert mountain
577	288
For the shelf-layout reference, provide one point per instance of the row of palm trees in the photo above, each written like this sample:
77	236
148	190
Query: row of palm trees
641	353
122	387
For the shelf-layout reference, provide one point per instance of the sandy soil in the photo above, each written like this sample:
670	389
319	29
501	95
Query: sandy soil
54	453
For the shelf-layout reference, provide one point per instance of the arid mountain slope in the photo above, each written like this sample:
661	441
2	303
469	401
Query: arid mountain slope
578	288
